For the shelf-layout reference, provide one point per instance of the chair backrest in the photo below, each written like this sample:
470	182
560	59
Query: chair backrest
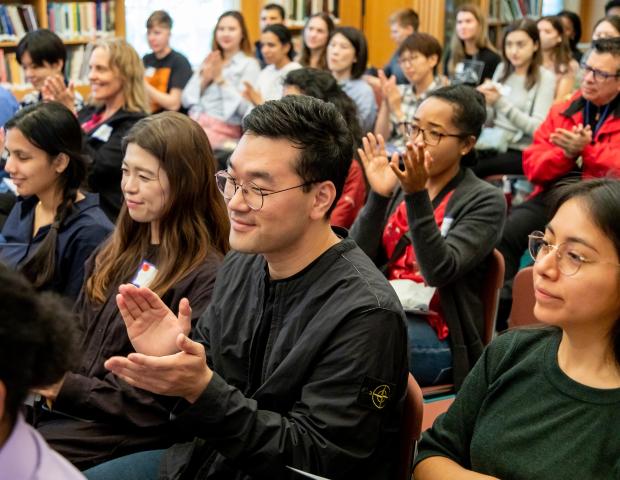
490	293
411	428
523	300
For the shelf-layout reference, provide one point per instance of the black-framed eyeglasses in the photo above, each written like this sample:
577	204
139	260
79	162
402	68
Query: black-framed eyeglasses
569	261
430	137
253	195
598	75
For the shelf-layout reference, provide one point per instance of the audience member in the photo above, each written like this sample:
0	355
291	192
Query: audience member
606	27
171	235
214	93
42	55
54	226
419	54
612	8
557	56
317	32
166	70
518	100
540	395
308	368
347	55
276	42
402	24
471	58
321	84
36	348
579	137
271	14
572	30
431	226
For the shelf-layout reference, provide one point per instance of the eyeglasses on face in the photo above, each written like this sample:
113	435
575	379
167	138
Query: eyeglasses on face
253	195
430	137
598	75
569	260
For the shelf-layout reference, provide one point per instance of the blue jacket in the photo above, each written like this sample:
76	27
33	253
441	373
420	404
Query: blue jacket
8	106
78	236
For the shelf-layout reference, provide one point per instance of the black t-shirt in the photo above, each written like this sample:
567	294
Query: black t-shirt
474	69
172	71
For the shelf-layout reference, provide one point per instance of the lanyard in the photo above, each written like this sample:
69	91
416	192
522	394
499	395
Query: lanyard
600	120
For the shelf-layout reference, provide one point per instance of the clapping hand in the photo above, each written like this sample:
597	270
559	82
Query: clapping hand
211	68
377	166
572	141
54	89
490	92
391	94
417	162
251	94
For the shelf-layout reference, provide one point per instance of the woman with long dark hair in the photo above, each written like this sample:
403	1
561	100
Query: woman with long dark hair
171	235
55	225
317	32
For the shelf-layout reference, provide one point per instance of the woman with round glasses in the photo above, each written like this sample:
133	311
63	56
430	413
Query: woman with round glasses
547	398
431	224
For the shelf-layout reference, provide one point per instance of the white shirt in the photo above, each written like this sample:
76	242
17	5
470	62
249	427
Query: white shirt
271	79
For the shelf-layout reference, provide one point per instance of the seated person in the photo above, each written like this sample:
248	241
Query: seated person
471	57
606	27
315	36
36	347
55	225
518	100
612	8
547	398
578	137
277	44
166	70
321	84
431	227
419	55
213	95
117	102
171	235
270	14
304	342
572	30
8	105
402	24
347	55
42	55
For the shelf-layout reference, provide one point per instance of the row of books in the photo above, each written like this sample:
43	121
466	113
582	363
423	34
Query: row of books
297	11
76	68
16	20
81	19
509	10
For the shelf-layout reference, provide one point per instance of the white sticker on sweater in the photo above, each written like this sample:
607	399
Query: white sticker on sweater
445	226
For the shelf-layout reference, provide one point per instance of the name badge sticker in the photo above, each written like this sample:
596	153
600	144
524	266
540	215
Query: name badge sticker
103	133
149	72
445	226
145	274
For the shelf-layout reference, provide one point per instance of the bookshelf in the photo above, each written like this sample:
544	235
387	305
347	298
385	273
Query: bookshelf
78	23
503	12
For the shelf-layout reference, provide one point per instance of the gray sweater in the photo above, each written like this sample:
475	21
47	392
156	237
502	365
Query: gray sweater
454	262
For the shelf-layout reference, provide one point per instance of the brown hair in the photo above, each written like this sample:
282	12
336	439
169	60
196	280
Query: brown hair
194	221
245	36
159	18
126	63
406	17
422	43
457	46
304	59
530	27
561	53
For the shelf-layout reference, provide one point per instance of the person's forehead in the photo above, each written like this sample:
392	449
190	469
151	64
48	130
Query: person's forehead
603	61
255	155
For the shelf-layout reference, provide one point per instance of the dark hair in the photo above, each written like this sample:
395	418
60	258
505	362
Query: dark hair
42	45
614	20
159	17
561	54
470	113
610	5
304	59
422	43
605	45
407	17
576	21
37	338
529	27
322	85
52	127
245	36
316	128
284	36
601	197
358	40
275	6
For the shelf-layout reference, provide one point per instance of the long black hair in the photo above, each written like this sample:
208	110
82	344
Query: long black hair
284	36
51	127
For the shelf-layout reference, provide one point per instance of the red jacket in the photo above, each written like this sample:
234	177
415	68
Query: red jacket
544	163
352	199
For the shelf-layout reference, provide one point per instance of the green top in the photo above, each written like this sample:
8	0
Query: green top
518	416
